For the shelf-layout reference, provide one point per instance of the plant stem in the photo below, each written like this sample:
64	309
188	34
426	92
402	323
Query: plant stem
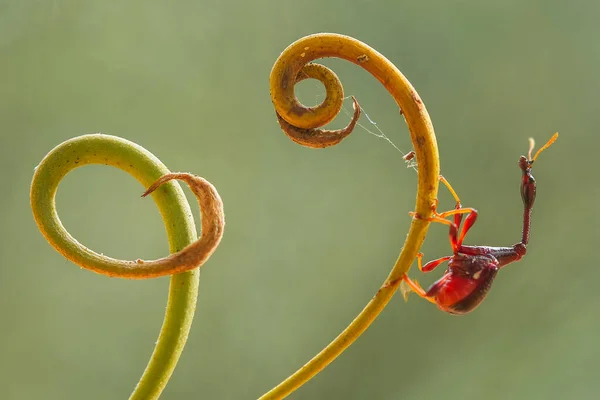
302	123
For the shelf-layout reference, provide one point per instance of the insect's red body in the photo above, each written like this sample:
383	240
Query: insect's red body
472	269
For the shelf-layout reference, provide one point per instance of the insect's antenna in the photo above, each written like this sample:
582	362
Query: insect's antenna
531	146
544	147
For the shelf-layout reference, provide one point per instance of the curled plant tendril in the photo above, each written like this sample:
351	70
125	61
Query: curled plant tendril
302	123
183	265
319	138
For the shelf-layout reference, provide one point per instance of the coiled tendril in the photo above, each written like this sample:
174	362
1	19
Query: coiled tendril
302	125
189	255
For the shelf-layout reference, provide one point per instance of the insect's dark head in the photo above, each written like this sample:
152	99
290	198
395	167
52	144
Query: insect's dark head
525	164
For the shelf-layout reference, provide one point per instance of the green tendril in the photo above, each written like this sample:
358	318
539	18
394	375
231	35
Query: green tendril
170	199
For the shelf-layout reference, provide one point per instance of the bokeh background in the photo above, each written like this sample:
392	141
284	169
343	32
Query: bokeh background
311	234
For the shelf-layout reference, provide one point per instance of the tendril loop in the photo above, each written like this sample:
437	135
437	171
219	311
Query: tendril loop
183	265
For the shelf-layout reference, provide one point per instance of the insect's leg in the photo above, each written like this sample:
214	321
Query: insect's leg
431	265
469	221
450	189
415	287
457	217
455	239
453	234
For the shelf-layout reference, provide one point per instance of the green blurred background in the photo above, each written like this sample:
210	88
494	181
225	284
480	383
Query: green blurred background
311	234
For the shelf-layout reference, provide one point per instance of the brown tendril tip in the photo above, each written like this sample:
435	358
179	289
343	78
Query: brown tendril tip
320	138
212	220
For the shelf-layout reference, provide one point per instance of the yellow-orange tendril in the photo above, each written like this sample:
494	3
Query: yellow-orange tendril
302	124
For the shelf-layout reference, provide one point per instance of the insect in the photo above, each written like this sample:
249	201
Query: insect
410	160
472	269
409	156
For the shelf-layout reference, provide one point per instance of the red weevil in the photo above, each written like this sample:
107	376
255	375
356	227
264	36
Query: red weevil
472	269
